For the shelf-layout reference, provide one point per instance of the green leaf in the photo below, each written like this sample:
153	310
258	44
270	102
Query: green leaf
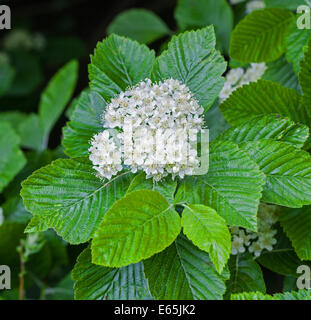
232	186
262	98
305	79
56	96
183	272
12	159
245	275
207	230
94	282
139	24
296	224
296	40
67	196
252	296
119	63
282	259
192	14
192	59
7	73
299	295
85	123
287	171
268	127
281	72
135	228
166	186
260	36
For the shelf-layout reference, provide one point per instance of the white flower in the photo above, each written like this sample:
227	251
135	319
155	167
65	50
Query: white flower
237	78
1	216
254	5
255	248
158	124
237	245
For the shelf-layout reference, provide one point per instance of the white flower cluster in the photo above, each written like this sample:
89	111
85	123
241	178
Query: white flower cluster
237	77
157	124
20	38
256	242
254	5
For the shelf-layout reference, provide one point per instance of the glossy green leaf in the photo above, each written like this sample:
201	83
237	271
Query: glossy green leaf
232	186
287	170
268	127
192	59
252	296
262	98
207	230
305	79
245	275
93	282
139	24
184	272
67	196
85	122
119	63
296	224
260	36
134	228
281	72
296	40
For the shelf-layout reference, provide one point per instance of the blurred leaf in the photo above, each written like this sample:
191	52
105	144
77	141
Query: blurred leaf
139	24
193	14
286	4
12	159
7	73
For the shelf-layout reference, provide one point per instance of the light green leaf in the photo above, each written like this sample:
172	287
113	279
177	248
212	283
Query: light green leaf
85	122
184	272
281	72
294	295
260	36
166	186
287	171
192	14
135	228
245	275
67	196
252	296
56	96
232	186
207	230
94	282
296	40
119	63
12	159
192	59
268	127
139	24
297	224
262	98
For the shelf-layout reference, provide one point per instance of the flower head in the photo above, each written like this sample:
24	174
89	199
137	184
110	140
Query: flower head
157	125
